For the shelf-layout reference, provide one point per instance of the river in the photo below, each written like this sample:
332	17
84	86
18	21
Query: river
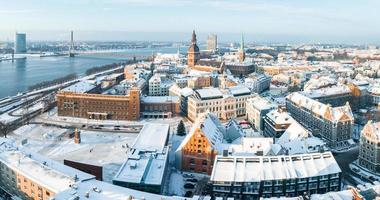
17	76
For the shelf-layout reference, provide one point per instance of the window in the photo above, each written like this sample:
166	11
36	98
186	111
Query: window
204	162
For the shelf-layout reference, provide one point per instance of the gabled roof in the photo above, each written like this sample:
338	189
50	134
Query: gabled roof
372	131
326	111
233	131
297	140
294	132
215	132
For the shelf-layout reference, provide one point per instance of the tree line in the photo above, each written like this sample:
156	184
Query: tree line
56	81
95	70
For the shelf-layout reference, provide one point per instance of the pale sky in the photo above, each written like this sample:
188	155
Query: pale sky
346	21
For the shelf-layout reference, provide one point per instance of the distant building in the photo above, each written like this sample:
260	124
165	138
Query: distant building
181	81
256	109
193	54
20	43
183	94
257	82
212	42
241	50
241	68
333	124
374	95
159	85
199	82
369	153
160	106
360	94
335	95
253	177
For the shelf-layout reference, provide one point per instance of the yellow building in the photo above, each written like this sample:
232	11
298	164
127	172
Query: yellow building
32	176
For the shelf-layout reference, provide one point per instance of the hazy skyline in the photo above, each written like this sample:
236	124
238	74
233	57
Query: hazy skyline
336	21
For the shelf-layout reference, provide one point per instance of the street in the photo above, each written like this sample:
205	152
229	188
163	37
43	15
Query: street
344	159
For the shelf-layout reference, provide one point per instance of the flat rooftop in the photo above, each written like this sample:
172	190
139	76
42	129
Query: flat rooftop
143	168
260	103
98	190
152	137
160	99
267	168
99	148
239	90
56	176
209	93
80	87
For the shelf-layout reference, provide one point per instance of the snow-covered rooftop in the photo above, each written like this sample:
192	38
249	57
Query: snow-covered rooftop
342	113
260	103
297	140
374	89
44	171
152	137
280	117
186	91
267	168
340	195
98	190
159	99
216	133
328	91
239	90
372	131
251	146
80	87
144	168
209	93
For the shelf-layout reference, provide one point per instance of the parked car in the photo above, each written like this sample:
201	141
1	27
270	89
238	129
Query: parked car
189	186
193	180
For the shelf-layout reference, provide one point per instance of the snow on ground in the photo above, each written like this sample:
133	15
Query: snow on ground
359	170
176	184
39	132
31	109
176	141
52	117
110	171
6	118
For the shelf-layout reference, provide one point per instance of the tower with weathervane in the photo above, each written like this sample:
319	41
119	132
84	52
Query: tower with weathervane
193	54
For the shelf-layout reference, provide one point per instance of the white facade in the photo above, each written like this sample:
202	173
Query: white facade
256	108
159	85
223	104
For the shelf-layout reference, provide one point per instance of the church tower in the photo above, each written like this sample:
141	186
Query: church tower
241	50
193	54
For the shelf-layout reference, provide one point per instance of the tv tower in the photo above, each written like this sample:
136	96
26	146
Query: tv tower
71	50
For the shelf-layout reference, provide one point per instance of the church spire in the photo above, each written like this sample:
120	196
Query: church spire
242	42
241	51
194	38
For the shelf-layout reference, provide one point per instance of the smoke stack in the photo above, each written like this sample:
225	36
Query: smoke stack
77	138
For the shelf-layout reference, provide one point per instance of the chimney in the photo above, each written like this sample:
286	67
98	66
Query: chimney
77	139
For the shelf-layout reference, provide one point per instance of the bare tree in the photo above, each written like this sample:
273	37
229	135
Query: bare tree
4	129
